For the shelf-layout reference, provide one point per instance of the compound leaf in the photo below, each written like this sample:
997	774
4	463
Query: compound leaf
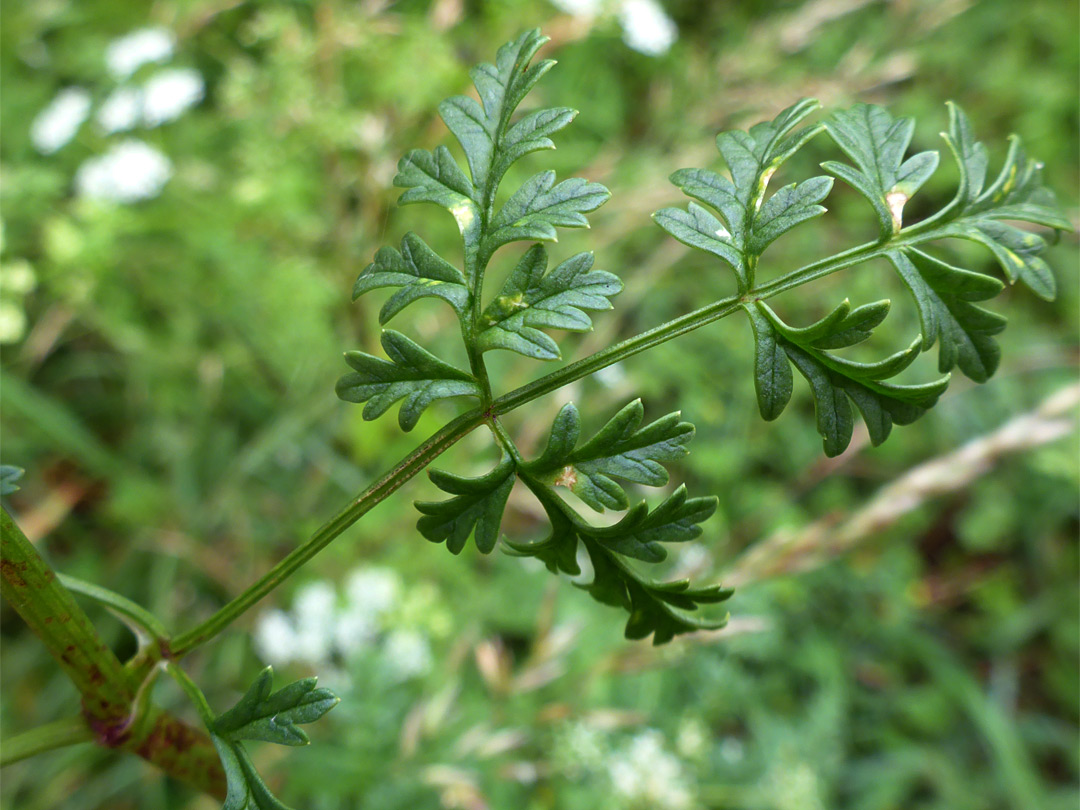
476	510
833	380
483	129
8	476
412	373
659	609
531	300
260	715
245	788
750	222
943	295
620	449
420	273
876	144
539	206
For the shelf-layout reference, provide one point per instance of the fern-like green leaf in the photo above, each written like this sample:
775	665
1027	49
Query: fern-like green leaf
260	715
412	373
620	449
420	273
833	380
943	295
750	222
877	144
531	300
483	128
476	510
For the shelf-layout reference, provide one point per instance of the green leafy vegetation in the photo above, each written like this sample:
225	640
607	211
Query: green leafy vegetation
900	633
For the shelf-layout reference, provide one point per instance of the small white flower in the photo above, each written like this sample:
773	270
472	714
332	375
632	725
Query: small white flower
315	614
121	110
354	631
408	654
372	591
57	123
580	8
128	172
646	27
129	53
169	93
648	774
275	638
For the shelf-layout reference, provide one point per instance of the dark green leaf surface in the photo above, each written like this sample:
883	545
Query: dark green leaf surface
656	608
531	300
418	271
8	476
620	449
876	144
833	380
750	222
412	374
436	177
476	511
659	609
1017	193
260	715
539	206
483	128
943	295
245	788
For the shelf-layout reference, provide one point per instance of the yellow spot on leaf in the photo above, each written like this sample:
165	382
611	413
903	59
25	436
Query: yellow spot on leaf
896	201
567	478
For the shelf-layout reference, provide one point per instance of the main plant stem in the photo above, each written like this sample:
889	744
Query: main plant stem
116	711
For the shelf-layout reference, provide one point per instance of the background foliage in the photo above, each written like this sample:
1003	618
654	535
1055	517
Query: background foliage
170	392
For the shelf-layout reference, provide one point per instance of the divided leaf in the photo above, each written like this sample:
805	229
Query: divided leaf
260	715
618	450
539	206
750	223
660	609
412	374
8	476
531	300
483	128
876	144
476	511
420	273
833	380
943	295
655	608
436	177
1017	193
245	788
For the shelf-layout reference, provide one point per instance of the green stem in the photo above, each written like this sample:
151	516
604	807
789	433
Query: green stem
31	587
387	484
58	734
141	621
194	693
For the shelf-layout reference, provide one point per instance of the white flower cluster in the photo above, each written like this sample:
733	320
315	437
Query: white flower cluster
132	170
645	774
646	26
127	54
60	120
319	627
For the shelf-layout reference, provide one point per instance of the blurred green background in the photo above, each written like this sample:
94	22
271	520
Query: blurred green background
184	213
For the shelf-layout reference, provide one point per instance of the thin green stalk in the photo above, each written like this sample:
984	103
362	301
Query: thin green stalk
387	484
145	625
194	693
58	734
